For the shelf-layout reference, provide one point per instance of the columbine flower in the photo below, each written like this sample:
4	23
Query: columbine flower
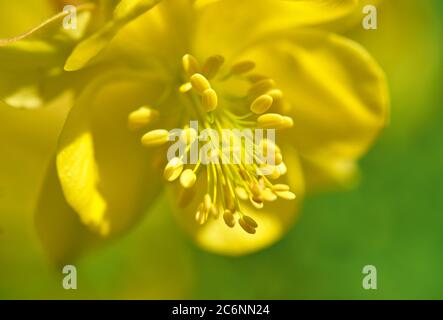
229	65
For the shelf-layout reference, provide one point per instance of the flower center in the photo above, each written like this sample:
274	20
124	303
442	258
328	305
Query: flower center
227	109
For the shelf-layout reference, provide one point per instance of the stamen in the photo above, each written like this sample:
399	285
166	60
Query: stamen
241	193
191	65
207	202
287	195
188	179
142	117
242	67
173	169
270	120
282	168
229	219
280	187
268	195
209	100
275	174
229	185
261	87
287	123
278	158
262	104
155	138
276	94
200	83
248	224
185	87
212	66
274	121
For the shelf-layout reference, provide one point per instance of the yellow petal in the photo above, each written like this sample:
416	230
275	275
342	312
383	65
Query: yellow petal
273	220
225	26
163	33
338	96
125	12
63	236
106	175
31	64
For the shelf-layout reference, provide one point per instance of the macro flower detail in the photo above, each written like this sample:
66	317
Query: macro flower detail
227	65
233	180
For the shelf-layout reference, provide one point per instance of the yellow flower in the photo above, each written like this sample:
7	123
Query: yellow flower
34	64
230	65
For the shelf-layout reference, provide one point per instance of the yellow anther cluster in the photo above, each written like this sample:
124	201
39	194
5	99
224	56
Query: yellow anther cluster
229	187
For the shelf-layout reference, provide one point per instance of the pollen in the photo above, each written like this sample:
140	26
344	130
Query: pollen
220	181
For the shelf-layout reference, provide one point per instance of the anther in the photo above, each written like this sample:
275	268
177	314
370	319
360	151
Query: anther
268	195
274	121
200	83
276	94
241	193
280	187
275	173
250	221
257	203
262	104
287	195
209	100
229	219
242	67
207	202
278	158
188	179
256	191
173	169
155	138
190	64
142	117
261	87
270	120
248	224
185	87
287	123
212	66
282	168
